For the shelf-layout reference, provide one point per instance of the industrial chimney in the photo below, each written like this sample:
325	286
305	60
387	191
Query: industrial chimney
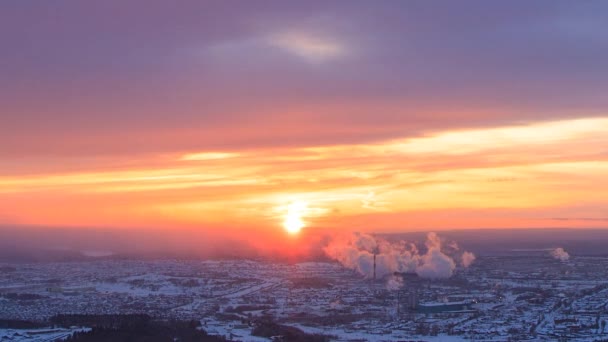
375	253
374	266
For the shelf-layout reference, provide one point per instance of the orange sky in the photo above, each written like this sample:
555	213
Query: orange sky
546	174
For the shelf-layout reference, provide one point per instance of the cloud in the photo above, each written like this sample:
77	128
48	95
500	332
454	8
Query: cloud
420	68
388	184
373	202
209	155
592	219
309	47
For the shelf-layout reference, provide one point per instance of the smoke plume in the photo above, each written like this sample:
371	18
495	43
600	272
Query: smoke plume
394	283
357	252
435	264
560	254
467	259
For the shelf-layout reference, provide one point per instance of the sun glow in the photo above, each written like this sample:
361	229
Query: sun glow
483	175
293	222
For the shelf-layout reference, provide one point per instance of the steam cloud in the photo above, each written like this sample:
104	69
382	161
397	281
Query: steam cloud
357	252
467	259
435	264
394	283
560	254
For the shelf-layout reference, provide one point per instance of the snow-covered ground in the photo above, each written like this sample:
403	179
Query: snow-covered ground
521	298
37	335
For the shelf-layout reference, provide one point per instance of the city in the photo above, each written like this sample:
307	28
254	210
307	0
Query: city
539	295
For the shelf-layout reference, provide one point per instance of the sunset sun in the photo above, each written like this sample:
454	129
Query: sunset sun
293	222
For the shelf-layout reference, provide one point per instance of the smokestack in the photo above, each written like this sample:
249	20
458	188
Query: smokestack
375	252
398	303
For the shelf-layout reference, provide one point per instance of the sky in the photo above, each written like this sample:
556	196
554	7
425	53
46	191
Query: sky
237	118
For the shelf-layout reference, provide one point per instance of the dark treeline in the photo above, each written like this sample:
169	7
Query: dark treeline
19	324
102	321
21	296
141	329
268	328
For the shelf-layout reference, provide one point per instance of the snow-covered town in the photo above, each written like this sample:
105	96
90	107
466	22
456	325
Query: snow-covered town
517	297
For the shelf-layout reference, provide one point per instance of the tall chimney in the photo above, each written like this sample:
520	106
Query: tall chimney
374	265
398	303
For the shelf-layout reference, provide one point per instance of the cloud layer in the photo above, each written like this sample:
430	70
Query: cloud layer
82	79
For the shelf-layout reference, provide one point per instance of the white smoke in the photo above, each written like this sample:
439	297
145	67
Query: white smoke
453	245
467	259
560	254
435	264
357	252
394	283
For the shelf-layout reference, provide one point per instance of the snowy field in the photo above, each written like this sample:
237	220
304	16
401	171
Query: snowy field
495	299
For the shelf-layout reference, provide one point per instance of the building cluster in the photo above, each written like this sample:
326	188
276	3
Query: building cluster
501	297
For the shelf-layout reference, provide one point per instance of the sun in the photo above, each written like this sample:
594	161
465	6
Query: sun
293	222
